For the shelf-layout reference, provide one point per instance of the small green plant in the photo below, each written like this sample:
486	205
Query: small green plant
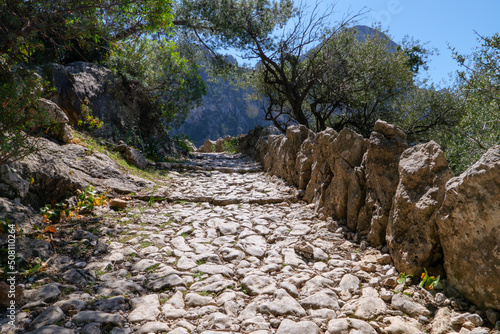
88	121
403	278
429	282
88	198
231	145
153	267
183	142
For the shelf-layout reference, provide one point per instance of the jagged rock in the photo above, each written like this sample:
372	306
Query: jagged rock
58	171
302	327
469	225
282	304
60	129
399	325
281	153
335	156
412	235
304	161
404	304
24	216
367	307
135	157
207	147
248	143
347	326
387	142
144	308
441	323
112	99
118	203
12	185
52	329
85	317
49	316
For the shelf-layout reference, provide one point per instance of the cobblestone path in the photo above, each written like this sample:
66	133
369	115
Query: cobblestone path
228	249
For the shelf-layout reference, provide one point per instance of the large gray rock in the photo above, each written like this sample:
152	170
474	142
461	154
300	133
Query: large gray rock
412	235
321	167
302	327
469	226
387	142
349	326
280	159
58	171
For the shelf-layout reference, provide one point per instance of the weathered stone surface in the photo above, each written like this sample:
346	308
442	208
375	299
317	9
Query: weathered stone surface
387	142
49	316
135	157
144	308
412	235
283	304
367	307
469	226
404	304
118	203
257	284
59	171
52	329
86	317
302	327
399	325
207	147
349	326
112	99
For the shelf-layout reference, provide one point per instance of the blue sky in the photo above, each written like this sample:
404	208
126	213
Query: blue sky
437	22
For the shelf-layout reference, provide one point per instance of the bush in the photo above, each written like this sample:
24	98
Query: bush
20	121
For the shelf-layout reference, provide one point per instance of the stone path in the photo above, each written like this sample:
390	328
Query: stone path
228	249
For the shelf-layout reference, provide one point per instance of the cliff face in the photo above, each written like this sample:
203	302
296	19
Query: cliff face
225	111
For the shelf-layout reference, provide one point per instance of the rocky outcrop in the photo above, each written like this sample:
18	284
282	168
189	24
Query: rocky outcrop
469	228
387	142
56	172
117	102
412	234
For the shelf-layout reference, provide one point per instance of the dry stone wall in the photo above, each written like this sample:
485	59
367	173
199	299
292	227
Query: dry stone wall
389	193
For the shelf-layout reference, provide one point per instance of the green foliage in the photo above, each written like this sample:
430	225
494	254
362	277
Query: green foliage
183	142
403	278
88	198
20	116
231	145
88	121
40	31
479	90
429	282
155	68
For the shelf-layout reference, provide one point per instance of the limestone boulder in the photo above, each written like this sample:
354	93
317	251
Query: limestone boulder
207	147
304	161
247	143
380	162
335	157
117	102
469	228
281	157
412	235
135	157
58	171
321	167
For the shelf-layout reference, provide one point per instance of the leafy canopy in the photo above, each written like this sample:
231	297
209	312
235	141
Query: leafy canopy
170	82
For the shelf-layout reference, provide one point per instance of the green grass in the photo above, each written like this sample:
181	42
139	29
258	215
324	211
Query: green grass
93	146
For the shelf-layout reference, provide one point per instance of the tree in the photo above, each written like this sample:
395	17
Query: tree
63	31
170	82
478	87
